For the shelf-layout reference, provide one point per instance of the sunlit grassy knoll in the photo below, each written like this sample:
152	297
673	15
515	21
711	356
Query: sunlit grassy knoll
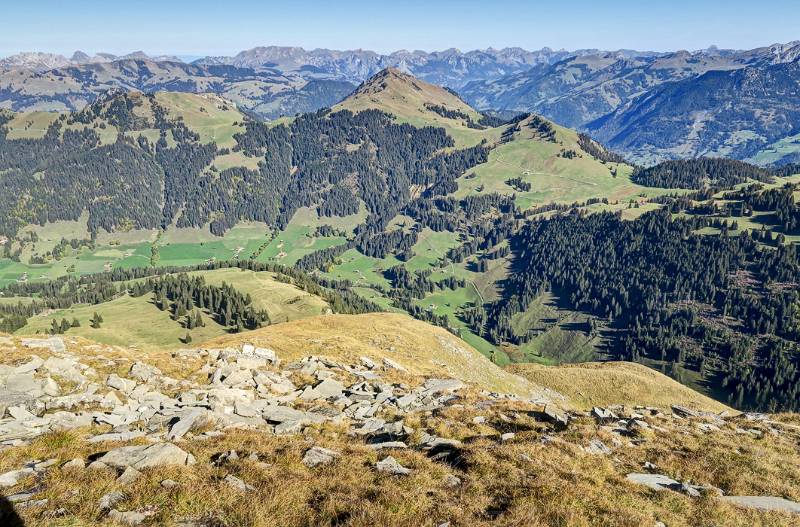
611	383
127	321
30	125
283	302
553	178
210	116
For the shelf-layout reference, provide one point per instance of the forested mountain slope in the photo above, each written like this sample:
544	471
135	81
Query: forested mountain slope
744	114
412	201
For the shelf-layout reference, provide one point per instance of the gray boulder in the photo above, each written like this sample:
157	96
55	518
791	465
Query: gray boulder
146	456
125	386
183	424
654	481
144	372
764	503
555	416
29	367
682	411
54	344
9	479
317	455
391	466
128	476
326	389
434	386
110	500
237	483
389	364
130	518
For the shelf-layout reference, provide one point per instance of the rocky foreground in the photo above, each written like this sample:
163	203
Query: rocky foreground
235	436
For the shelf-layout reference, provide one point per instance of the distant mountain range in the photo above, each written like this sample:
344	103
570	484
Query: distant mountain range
649	106
655	107
39	61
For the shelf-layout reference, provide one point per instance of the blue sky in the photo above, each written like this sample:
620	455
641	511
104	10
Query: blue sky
204	27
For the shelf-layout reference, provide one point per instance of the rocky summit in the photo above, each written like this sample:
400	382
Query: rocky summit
95	435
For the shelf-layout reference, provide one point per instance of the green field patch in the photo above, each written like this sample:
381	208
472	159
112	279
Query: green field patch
236	159
361	270
30	125
559	335
210	116
430	248
294	242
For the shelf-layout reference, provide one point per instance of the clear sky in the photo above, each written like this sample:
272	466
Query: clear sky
206	27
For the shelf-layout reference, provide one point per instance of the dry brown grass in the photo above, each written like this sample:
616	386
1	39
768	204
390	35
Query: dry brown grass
522	482
609	383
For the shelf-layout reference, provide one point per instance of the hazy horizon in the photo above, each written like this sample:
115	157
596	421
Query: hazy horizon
205	27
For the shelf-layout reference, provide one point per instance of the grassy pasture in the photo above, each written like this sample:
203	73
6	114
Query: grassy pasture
129	321
553	178
30	125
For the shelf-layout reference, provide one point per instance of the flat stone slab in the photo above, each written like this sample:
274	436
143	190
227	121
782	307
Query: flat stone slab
145	456
654	481
764	503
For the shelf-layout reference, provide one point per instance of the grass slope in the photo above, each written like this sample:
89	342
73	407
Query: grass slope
609	383
553	177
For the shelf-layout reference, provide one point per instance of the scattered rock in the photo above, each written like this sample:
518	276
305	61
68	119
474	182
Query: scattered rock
326	389
54	344
144	372
603	415
74	464
169	484
391	466
387	444
131	518
764	503
316	456
555	416
597	447
682	411
389	364
237	483
183	425
110	500
9	479
128	476
452	481
125	386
